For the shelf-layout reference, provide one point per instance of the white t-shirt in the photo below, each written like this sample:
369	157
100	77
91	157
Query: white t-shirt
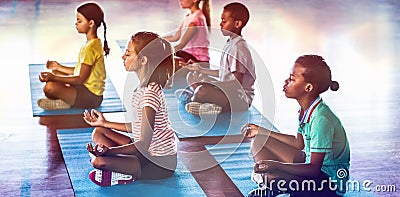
236	57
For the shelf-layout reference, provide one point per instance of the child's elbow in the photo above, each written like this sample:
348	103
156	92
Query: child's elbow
81	80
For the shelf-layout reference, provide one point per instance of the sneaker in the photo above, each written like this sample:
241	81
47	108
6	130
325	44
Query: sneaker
109	178
184	95
197	108
50	104
258	192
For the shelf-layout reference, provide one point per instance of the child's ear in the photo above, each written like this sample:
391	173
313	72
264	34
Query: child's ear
238	23
309	87
143	60
91	23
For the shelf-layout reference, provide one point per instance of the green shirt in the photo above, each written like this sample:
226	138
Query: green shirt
324	133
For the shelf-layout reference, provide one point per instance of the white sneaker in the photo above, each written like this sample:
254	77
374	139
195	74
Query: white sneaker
50	104
203	108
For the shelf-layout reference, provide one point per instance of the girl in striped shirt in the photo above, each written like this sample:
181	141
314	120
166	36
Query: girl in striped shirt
151	151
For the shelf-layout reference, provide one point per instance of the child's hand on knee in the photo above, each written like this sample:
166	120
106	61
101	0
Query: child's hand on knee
97	150
264	166
94	118
52	65
190	65
250	130
45	76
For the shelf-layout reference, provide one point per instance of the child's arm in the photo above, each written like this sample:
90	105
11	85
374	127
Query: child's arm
196	67
73	80
251	130
96	119
238	76
311	169
189	33
176	36
55	66
143	144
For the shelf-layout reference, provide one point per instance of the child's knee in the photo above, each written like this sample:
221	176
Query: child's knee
98	131
98	162
49	88
200	92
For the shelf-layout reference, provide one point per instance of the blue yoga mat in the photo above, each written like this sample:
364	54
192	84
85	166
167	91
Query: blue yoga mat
111	101
238	164
73	146
189	125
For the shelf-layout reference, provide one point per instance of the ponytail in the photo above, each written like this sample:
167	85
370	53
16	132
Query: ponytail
167	66
206	11
334	86
105	47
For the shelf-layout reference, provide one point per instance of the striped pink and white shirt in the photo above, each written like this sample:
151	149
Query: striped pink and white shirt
164	140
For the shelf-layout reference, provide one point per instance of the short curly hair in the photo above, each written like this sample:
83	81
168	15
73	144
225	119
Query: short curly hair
317	72
238	11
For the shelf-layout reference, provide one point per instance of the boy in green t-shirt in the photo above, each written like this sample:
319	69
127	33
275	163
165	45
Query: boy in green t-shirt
280	157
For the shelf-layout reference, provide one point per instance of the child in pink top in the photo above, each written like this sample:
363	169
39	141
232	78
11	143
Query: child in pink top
192	33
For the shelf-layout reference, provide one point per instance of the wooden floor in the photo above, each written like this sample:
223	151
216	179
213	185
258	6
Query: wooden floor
359	39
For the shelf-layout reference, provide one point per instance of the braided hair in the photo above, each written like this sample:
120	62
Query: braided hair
93	11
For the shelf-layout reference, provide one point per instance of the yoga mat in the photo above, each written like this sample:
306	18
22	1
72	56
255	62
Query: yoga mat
111	101
238	164
188	125
73	146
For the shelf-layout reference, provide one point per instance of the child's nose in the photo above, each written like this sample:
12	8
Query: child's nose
286	81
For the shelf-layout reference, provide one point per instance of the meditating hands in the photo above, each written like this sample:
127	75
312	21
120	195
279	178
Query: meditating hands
250	130
94	118
262	166
97	150
46	76
190	65
52	65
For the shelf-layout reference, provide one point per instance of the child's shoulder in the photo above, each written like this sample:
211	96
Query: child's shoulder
153	87
324	111
94	44
238	41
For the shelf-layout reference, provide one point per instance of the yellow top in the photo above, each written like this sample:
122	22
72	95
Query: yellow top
92	54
